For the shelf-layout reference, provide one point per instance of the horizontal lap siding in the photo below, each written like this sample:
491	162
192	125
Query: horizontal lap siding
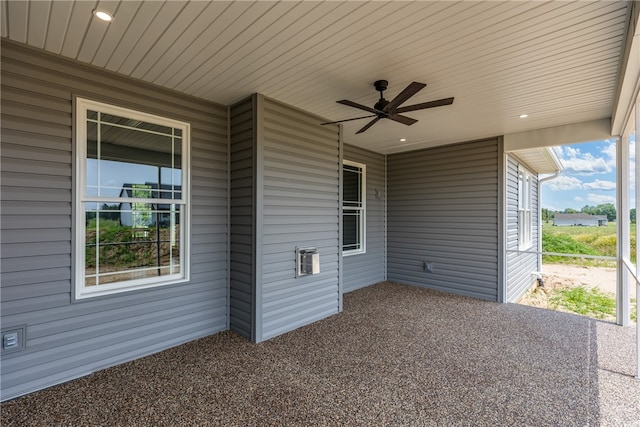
367	269
520	266
443	208
242	218
300	207
67	339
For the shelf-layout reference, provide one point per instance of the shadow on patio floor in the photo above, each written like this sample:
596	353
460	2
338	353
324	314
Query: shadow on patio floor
397	355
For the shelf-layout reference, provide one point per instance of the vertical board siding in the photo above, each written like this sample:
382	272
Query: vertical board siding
520	266
300	207
242	296
443	209
367	269
66	339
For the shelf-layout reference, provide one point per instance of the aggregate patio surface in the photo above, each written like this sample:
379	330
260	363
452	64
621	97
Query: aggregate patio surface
397	356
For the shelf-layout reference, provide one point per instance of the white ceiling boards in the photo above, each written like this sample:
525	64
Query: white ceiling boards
558	62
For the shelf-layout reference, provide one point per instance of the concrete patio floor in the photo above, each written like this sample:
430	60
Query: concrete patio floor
397	356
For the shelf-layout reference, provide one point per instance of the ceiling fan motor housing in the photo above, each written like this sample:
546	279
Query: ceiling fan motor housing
381	85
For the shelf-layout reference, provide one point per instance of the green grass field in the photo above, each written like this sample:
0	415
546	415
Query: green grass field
599	241
583	240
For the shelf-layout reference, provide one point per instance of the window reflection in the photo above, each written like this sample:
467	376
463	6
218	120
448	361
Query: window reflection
140	165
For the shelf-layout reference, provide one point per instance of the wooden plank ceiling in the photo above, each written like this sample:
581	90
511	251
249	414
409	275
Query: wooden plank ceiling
556	61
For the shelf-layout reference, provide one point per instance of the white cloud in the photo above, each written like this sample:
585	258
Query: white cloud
586	165
600	198
610	151
563	183
571	151
578	163
599	185
578	199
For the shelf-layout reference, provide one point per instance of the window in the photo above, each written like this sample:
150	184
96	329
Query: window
353	208
524	210
131	200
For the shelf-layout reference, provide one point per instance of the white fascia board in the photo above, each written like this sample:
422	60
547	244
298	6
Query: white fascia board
628	87
553	159
593	130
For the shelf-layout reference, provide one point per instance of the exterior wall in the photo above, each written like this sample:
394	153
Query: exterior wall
369	268
443	206
285	193
66	339
520	266
242	262
298	206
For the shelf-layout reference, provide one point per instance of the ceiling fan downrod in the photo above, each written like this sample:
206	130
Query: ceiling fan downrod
381	86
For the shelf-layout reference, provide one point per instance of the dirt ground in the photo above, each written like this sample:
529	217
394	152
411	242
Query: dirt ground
557	276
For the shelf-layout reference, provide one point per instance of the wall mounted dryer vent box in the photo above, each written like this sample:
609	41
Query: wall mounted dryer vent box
307	261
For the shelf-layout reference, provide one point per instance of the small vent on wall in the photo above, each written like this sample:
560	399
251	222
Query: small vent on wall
13	339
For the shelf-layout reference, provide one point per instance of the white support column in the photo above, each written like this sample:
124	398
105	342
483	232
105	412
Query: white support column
637	204
624	231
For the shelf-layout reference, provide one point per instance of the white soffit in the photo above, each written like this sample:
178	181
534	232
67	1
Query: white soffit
556	61
541	160
629	79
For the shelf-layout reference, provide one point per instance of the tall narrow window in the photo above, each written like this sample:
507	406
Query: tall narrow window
353	208
525	226
132	210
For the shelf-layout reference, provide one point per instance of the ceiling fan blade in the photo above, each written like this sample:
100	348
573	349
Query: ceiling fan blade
402	119
407	93
368	125
356	105
430	104
348	120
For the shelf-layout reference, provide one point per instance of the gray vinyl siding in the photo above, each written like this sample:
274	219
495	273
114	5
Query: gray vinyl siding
66	339
367	269
299	201
443	208
520	266
242	301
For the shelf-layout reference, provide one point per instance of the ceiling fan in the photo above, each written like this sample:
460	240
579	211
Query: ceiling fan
391	109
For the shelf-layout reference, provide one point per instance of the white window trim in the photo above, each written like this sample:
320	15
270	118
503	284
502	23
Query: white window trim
363	209
525	213
79	185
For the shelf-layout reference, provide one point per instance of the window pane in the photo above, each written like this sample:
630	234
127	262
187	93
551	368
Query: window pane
91	175
351	229
116	242
119	155
125	123
171	183
114	179
351	186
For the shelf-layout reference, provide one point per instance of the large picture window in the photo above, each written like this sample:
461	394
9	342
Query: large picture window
525	225
353	208
132	193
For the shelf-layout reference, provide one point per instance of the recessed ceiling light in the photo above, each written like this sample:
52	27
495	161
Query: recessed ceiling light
100	14
524	116
403	139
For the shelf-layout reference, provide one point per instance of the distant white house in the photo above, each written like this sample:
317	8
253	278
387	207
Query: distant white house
587	220
141	215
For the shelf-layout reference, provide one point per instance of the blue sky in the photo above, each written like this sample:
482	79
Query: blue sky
588	178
